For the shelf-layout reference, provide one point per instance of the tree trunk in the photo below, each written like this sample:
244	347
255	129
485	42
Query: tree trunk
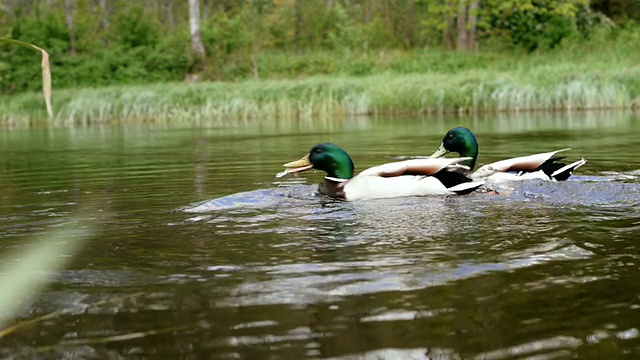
473	23
23	6
297	35
330	5
447	30
104	21
387	16
206	7
6	8
257	31
409	25
68	12
461	27
197	47
254	66
366	13
170	18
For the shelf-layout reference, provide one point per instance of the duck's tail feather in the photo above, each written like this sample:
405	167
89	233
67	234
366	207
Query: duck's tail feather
564	172
466	187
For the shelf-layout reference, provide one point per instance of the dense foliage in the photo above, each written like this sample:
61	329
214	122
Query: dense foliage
102	42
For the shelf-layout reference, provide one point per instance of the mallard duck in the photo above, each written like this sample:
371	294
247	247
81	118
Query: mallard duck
538	166
416	177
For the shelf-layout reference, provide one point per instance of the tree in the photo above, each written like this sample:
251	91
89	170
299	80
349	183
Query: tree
104	20
409	31
197	46
68	12
298	24
466	23
619	10
472	25
537	24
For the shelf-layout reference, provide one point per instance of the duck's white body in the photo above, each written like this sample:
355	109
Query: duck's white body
389	180
524	168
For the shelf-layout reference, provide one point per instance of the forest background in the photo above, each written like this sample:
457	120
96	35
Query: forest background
318	56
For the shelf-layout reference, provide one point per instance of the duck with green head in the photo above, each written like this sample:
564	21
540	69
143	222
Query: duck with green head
416	177
544	166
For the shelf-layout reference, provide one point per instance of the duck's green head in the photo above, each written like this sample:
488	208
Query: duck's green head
462	141
327	157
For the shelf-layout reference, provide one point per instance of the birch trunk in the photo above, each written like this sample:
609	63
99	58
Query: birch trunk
104	21
461	27
473	24
68	15
197	47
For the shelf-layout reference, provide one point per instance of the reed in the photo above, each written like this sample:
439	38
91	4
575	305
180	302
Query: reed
419	82
45	69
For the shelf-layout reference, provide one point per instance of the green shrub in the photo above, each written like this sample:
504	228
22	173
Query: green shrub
540	24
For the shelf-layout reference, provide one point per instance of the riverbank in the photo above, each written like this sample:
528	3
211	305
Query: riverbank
386	83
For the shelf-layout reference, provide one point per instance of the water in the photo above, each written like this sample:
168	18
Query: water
200	252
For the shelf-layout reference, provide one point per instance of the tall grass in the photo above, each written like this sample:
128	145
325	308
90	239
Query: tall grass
417	82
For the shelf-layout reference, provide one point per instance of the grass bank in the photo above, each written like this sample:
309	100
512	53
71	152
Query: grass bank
384	83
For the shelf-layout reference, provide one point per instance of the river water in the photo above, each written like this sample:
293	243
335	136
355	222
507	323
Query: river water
200	252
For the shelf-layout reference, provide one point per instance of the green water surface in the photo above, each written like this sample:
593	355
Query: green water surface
268	270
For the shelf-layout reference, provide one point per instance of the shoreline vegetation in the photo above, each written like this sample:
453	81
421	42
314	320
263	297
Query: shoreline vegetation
427	83
218	62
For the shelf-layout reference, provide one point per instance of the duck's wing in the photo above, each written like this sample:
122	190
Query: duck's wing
414	167
522	163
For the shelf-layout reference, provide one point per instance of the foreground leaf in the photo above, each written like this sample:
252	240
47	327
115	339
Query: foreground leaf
25	273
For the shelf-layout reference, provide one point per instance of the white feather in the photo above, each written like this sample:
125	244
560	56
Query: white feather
375	187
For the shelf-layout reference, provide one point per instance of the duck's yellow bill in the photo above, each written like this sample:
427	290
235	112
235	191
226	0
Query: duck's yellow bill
304	162
296	166
440	152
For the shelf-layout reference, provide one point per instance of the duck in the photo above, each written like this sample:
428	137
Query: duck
545	166
415	177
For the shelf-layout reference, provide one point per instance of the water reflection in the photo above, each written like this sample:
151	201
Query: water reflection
206	255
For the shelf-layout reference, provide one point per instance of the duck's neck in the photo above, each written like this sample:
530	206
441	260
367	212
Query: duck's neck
342	169
337	176
334	189
469	150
